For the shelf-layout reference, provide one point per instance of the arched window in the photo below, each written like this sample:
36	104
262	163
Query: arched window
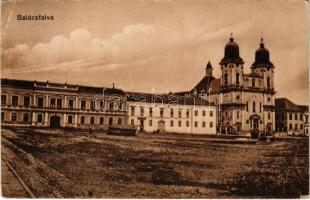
26	117
70	119
225	78
92	120
254	105
82	120
268	82
253	82
40	118
13	117
237	78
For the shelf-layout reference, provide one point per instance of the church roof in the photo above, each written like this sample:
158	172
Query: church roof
204	84
262	57
231	53
253	74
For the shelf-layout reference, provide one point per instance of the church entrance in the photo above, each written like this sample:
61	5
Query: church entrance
55	121
255	122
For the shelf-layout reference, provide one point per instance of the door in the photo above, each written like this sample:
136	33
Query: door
161	126
55	122
255	124
141	125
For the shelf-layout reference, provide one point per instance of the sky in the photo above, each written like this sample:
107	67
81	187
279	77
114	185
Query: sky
159	45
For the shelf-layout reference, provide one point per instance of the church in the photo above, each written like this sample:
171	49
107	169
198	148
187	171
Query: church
245	102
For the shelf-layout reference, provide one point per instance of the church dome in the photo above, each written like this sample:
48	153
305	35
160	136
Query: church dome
262	57
231	54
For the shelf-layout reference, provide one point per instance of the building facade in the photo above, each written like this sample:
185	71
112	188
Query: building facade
44	104
245	102
291	118
171	113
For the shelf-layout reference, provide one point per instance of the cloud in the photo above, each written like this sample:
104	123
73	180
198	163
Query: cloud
132	41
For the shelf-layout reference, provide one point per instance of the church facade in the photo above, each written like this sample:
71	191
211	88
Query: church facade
245	102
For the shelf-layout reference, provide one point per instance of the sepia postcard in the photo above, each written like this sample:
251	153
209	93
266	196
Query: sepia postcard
155	99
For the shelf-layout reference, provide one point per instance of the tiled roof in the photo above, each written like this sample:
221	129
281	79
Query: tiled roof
286	104
203	85
23	84
172	98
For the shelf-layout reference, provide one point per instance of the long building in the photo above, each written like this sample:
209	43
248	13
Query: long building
55	105
171	113
45	104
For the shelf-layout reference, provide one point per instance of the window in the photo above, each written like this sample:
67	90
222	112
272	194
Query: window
53	102
247	106
268	115
132	110
268	82
203	113
132	121
260	106
196	112
120	106
2	116
101	120
290	116
306	116
110	121
70	119
203	124
237	79
111	105
282	116
268	99
40	118
70	103
291	126
119	121
82	121
180	113
225	78
296	126
101	105
171	113
26	118
237	97
196	124
3	99
187	113
59	103
253	82
295	116
40	101
14	100
211	113
238	114
26	101
300	116
211	124
141	111
151	112
150	122
92	120
171	123
187	123
83	105
301	126
247	121
161	112
254	105
180	123
92	105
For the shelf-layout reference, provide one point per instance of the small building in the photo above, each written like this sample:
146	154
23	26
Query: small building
291	118
45	104
171	113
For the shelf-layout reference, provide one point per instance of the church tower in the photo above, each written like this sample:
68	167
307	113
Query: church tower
231	65
209	69
263	66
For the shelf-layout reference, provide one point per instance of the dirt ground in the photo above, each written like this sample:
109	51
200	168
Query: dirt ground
76	164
